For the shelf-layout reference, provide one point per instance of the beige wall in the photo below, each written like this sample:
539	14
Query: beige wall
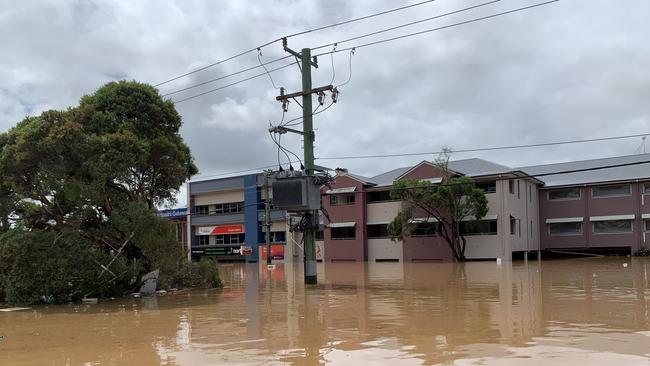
382	211
219	197
385	249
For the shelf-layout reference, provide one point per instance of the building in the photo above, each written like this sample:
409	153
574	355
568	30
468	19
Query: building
358	210
225	220
596	204
178	217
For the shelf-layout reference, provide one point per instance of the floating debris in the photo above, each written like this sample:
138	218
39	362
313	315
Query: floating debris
6	310
89	300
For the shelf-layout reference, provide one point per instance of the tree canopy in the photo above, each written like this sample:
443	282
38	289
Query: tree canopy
449	206
84	183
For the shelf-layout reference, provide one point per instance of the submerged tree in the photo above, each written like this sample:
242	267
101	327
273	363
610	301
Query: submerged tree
450	205
87	181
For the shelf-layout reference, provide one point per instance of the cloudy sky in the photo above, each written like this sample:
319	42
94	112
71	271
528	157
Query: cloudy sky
575	69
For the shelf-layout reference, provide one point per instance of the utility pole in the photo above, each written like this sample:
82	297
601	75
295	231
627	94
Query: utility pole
311	217
267	218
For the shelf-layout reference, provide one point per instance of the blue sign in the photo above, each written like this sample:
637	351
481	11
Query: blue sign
174	213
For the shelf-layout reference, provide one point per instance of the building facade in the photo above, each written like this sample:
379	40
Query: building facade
595	204
358	210
577	206
226	220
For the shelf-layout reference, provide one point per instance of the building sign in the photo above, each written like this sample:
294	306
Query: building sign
175	213
220	229
224	250
277	251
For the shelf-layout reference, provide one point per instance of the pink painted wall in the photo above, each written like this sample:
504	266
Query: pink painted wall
588	206
346	249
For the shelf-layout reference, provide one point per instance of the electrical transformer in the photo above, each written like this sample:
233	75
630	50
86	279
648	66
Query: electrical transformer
299	193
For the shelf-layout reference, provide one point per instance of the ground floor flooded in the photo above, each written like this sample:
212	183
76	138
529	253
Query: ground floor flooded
561	312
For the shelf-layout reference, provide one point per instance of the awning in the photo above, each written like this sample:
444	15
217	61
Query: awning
645	216
341	190
484	218
378	223
342	224
419	220
562	220
611	218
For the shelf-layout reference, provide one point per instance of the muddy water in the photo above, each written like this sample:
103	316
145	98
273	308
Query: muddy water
587	312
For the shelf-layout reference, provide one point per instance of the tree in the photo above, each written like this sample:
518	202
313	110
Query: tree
87	180
449	206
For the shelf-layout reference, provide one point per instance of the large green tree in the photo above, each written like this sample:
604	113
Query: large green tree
450	205
87	180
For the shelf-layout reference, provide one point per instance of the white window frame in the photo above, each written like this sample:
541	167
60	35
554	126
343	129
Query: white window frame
614	195
548	195
582	228
593	228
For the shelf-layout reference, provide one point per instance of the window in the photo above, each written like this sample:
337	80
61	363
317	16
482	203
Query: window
320	235
531	229
647	225
530	193
646	188
227	208
479	228
202	210
378	231
565	228
343	233
613	227
487	187
511	186
336	200
612	191
564	194
518	191
379	196
204	239
230	238
425	229
513	225
276	237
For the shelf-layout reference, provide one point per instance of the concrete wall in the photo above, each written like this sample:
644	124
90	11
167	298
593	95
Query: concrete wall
385	249
212	198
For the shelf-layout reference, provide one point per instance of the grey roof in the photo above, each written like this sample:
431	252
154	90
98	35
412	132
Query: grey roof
477	167
470	167
387	179
366	180
622	173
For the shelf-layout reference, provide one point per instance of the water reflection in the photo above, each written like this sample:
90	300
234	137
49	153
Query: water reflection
593	311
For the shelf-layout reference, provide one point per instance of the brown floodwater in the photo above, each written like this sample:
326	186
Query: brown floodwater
562	312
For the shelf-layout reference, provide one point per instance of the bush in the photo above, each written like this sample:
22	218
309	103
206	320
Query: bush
203	274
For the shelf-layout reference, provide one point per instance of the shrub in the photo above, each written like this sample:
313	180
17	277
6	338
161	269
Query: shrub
203	274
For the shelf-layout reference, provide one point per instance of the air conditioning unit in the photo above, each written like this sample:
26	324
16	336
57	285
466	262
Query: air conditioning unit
296	194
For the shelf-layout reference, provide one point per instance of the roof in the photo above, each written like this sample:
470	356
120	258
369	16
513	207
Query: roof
469	167
477	167
362	179
639	169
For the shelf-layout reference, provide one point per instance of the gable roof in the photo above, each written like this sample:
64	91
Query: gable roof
475	167
640	169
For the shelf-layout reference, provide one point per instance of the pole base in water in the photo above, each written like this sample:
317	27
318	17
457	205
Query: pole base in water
311	280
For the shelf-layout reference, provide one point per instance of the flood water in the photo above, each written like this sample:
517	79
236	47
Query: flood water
562	312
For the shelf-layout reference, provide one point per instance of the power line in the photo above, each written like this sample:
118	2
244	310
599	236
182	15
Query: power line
231	84
474	20
407	24
352	48
486	148
438	152
292	35
227	76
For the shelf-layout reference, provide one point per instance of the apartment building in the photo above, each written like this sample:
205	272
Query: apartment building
595	204
226	220
358	210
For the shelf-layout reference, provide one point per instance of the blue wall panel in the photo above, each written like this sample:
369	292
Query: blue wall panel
251	204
